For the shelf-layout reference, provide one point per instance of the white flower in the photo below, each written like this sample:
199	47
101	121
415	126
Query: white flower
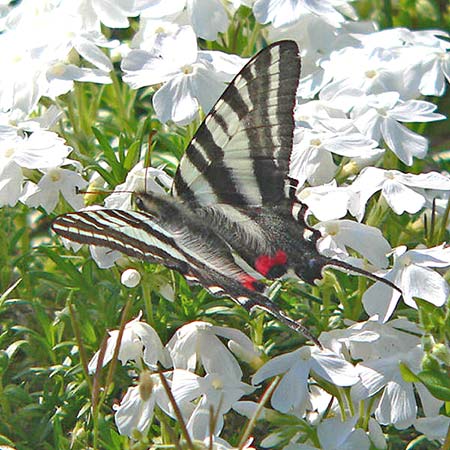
207	17
435	68
130	278
191	78
434	428
53	182
286	12
217	392
328	201
36	49
135	411
112	13
335	434
373	71
312	159
412	274
40	150
371	340
402	191
139	179
291	394
398	404
337	235
379	116
139	341
11	180
198	341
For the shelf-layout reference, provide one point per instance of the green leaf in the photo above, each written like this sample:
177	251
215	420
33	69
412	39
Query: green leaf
407	374
438	383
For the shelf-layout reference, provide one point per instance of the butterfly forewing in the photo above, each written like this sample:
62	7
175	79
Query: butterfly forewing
132	233
240	153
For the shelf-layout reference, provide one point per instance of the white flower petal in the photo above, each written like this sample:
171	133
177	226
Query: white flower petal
397	405
11	180
208	18
333	368
275	366
401	198
291	393
133	413
423	283
403	142
175	101
380	300
415	111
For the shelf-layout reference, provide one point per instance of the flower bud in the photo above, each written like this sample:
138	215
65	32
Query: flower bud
130	278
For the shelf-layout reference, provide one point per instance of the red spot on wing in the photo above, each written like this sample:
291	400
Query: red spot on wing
251	283
264	263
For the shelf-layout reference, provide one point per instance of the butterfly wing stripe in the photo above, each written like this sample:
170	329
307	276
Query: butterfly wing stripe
94	228
240	154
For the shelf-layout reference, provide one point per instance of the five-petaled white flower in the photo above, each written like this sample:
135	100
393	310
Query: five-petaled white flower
402	191
191	78
140	342
412	273
291	394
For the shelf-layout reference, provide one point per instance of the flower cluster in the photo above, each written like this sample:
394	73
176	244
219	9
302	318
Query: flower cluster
362	364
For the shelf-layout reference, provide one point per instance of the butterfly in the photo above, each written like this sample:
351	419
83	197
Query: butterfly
231	218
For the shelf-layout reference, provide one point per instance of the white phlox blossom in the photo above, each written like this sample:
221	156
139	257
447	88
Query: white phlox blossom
216	394
291	395
285	12
207	17
337	235
327	201
151	31
139	179
191	78
403	192
199	342
372	340
317	38
412	273
397	405
135	411
55	181
140	342
112	13
312	153
21	149
380	115
37	52
426	54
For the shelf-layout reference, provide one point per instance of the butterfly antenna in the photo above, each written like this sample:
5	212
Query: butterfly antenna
348	267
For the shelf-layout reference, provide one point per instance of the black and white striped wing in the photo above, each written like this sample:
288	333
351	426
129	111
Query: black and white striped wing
130	232
240	153
201	258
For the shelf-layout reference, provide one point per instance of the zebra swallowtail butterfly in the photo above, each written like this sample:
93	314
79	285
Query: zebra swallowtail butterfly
230	199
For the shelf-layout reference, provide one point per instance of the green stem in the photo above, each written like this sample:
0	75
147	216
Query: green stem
251	423
79	341
387	9
177	411
123	113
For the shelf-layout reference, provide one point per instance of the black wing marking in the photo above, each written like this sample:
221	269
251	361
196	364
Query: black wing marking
240	154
